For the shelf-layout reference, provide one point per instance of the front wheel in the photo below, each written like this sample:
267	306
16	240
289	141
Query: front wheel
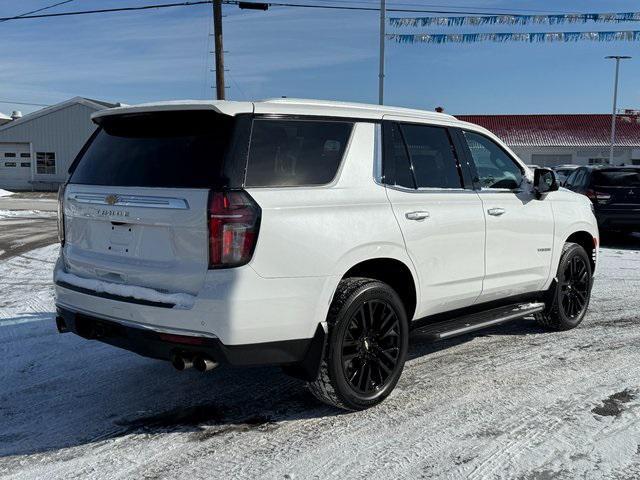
366	347
570	300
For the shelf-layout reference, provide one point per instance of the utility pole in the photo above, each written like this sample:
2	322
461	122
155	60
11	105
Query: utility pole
217	33
617	58
383	15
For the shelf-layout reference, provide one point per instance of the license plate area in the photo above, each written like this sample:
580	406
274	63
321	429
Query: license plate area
121	237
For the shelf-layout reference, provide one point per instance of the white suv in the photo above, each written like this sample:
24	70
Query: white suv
311	235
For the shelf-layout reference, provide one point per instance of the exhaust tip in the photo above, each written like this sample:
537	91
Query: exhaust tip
61	325
181	363
204	364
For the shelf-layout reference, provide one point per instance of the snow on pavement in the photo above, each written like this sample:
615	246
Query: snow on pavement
511	402
5	193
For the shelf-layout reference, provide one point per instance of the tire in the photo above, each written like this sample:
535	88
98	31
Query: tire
570	298
366	346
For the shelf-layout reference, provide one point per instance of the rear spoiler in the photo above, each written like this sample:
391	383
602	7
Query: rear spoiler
224	107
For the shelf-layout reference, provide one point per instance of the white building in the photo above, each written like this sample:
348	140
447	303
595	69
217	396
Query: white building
37	149
557	139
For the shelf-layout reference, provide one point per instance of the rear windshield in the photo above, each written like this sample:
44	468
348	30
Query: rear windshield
617	178
286	153
160	149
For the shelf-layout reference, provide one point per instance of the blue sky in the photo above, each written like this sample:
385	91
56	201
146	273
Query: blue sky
155	55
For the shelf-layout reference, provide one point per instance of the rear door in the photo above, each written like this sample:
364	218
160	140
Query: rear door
441	221
136	203
520	228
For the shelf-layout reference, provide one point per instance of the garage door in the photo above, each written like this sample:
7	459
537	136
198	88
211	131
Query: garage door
15	165
545	160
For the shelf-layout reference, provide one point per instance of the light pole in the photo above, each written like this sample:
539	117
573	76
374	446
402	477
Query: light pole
615	102
382	40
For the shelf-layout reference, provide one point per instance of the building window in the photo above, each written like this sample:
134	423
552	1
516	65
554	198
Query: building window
25	155
46	163
9	164
25	164
598	161
9	155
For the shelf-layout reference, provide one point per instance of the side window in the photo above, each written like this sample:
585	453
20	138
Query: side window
295	152
578	178
432	158
495	168
571	179
583	178
397	167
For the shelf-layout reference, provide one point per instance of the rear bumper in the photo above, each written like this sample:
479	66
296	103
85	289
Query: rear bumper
619	220
303	353
237	306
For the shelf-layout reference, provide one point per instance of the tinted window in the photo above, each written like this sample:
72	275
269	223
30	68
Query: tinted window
397	167
295	152
495	168
571	179
629	177
161	149
434	164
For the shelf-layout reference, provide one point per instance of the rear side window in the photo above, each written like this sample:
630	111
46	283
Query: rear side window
159	149
434	164
629	177
289	153
419	156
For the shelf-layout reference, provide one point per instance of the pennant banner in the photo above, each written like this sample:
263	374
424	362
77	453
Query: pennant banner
515	19
629	36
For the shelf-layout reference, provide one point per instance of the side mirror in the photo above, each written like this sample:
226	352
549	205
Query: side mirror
544	181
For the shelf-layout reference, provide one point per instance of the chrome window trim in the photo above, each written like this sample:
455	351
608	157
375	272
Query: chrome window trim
428	190
141	201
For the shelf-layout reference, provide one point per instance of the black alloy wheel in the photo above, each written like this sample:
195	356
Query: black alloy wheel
574	287
568	297
367	343
371	346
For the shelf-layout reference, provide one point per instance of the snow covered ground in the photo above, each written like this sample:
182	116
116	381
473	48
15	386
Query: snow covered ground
5	193
511	402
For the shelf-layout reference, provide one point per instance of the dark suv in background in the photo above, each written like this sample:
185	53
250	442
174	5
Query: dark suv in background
615	193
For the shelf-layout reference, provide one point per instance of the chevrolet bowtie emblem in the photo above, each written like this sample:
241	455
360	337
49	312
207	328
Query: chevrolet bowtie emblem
111	199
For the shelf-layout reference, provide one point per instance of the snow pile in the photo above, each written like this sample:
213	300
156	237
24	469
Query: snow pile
5	193
27	292
180	300
25	213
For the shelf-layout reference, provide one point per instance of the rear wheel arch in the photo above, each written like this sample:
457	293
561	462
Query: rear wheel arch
394	273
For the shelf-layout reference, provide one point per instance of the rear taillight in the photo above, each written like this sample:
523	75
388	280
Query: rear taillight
234	221
61	214
599	197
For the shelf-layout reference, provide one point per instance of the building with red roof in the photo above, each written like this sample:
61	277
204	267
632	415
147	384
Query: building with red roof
555	139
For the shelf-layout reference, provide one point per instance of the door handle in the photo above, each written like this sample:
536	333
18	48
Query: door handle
418	215
496	212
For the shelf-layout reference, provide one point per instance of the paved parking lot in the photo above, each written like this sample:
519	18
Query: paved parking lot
510	402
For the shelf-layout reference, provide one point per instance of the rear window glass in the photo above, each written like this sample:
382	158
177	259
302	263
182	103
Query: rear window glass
285	153
161	149
617	178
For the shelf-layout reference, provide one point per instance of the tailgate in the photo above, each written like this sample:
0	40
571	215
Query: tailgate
149	237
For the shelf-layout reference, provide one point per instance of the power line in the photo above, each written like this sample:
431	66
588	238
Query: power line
38	10
236	2
106	10
24	103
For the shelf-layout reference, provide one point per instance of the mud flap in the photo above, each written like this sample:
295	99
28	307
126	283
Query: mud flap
309	368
